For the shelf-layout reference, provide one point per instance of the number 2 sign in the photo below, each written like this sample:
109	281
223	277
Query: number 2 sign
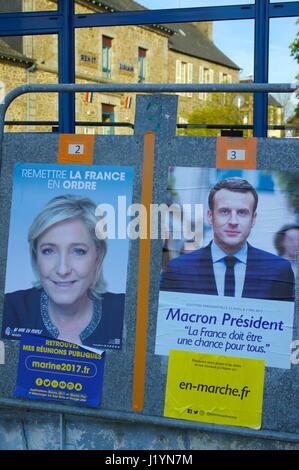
76	148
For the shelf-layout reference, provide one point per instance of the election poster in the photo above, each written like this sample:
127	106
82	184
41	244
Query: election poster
229	264
61	268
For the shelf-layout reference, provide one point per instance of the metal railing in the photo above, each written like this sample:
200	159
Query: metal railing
143	88
282	127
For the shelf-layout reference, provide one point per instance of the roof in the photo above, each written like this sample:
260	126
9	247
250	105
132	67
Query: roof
8	53
273	101
185	38
191	41
122	5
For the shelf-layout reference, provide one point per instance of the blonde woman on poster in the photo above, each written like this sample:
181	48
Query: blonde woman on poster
69	300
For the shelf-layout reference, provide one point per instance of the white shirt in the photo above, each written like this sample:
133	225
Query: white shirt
219	268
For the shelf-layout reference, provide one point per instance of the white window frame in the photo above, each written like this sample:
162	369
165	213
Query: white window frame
189	77
178	73
201	80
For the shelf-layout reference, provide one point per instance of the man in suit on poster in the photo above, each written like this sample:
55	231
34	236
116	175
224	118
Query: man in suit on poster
229	265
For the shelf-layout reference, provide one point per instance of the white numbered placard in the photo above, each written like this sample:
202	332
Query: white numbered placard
236	154
75	149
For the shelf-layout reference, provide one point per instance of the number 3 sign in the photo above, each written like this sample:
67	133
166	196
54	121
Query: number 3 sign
234	152
76	148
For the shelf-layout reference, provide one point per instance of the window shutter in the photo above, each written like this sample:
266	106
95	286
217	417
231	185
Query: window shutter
190	77
190	73
178	71
220	77
211	76
201	80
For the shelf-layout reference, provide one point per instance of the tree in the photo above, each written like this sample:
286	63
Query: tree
294	47
287	106
219	109
289	182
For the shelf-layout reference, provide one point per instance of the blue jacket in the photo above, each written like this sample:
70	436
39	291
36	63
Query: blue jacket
267	276
22	311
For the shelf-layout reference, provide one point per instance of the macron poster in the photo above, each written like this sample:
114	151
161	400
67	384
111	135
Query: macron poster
227	284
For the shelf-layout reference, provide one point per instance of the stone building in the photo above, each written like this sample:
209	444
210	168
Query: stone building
275	110
168	53
194	58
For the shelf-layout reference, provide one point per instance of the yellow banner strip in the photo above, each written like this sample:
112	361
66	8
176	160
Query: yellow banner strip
143	273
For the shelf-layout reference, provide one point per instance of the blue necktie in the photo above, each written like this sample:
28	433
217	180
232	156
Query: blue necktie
229	280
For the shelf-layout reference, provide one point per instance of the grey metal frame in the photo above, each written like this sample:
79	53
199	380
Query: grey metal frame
143	88
126	416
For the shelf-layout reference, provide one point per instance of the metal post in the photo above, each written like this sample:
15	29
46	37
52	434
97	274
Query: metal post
66	65
261	62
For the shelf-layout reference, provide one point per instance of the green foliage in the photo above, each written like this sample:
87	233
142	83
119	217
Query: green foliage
289	182
294	47
219	109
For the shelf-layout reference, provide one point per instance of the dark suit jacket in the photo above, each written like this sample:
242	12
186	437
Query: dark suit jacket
267	276
22	310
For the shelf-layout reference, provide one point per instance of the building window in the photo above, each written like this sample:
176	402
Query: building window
108	115
88	130
225	78
206	75
182	72
141	64
106	56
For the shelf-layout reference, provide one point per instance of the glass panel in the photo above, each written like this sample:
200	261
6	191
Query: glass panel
88	6
14	6
178	53
283	68
236	65
279	1
159	4
29	60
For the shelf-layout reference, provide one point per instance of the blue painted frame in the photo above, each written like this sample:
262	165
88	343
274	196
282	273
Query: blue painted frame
63	22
